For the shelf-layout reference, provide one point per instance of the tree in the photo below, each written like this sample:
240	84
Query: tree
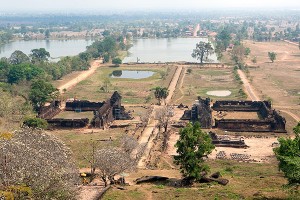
85	56
161	93
39	55
34	122
247	51
223	39
192	146
12	110
189	70
111	161
288	155
47	33
163	116
272	56
25	71
18	57
238	54
202	51
106	84
42	92
32	158
116	62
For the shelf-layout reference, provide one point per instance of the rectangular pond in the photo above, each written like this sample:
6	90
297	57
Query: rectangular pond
131	74
165	50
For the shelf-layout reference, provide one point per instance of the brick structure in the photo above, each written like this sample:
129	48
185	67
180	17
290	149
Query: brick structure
48	112
201	112
110	110
271	120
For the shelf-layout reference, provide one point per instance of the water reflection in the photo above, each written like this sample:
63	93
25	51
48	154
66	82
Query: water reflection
132	74
165	50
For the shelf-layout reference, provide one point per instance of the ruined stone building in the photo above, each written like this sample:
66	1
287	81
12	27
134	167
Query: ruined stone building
200	112
104	112
269	120
110	110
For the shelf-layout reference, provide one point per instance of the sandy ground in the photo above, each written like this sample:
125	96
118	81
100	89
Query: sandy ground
260	149
150	131
83	75
248	87
173	84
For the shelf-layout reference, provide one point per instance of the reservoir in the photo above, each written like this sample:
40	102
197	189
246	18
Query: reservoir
56	48
165	50
131	74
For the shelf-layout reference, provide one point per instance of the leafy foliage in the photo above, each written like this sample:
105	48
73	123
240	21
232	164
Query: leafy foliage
272	56
192	146
161	93
39	55
34	122
288	154
41	92
117	61
223	38
202	51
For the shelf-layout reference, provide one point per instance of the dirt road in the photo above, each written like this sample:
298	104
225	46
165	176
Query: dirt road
173	84
151	131
83	75
251	93
248	88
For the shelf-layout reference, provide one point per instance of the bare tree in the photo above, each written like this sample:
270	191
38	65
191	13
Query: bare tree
163	116
112	161
12	110
39	161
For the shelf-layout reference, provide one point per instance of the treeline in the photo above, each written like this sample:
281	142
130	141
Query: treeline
5	36
27	76
21	67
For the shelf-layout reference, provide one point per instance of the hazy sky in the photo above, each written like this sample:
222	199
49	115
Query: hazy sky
97	5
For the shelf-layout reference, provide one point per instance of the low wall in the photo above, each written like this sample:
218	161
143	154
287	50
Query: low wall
83	105
48	112
247	125
68	123
245	106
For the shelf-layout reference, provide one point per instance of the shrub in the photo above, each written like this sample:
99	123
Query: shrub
35	123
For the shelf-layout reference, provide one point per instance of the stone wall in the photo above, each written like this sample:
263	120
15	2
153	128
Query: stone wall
48	112
84	105
271	120
68	123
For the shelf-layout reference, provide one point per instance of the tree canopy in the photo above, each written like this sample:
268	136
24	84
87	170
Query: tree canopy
161	93
202	51
41	92
39	55
272	56
223	39
192	146
288	155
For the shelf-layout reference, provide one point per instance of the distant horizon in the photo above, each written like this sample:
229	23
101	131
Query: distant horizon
121	6
138	11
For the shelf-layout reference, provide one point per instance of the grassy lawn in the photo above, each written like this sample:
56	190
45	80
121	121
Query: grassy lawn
80	141
202	80
246	181
133	91
75	115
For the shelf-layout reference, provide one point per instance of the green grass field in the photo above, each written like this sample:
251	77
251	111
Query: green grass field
133	91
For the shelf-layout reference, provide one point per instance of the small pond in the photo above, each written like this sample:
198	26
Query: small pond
132	74
219	93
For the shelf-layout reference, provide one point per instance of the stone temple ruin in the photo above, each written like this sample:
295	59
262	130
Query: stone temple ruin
104	112
226	141
269	120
